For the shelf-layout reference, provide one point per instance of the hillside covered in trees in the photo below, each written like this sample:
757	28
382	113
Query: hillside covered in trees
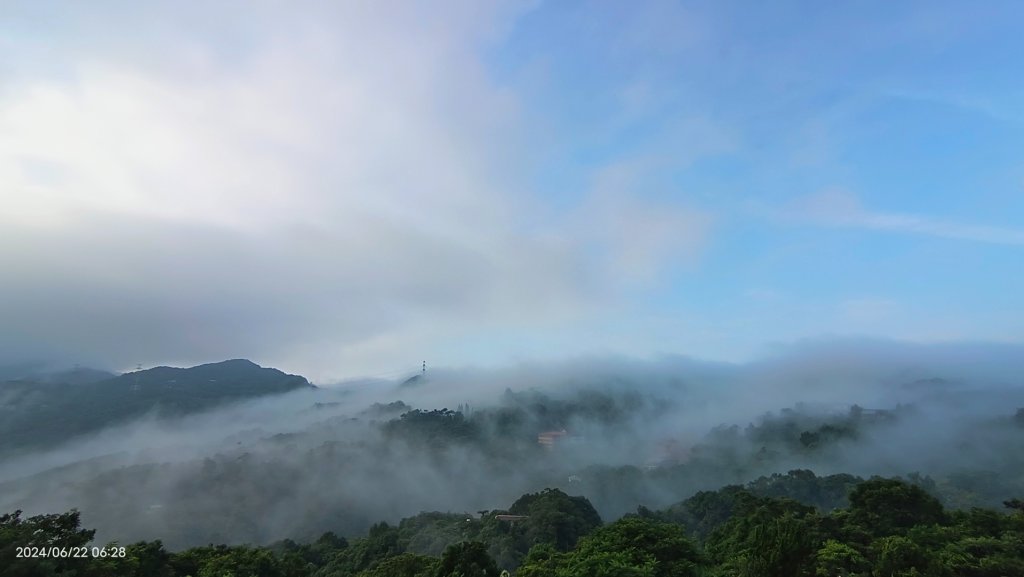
530	288
43	410
581	474
888	528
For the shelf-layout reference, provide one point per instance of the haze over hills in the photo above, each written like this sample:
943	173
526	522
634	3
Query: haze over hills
43	373
679	278
44	409
231	452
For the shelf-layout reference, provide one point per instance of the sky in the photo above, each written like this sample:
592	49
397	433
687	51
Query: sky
344	189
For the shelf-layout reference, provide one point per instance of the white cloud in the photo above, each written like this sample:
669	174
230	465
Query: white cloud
329	188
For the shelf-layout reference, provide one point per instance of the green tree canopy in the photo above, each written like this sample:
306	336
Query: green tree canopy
555	517
891	506
468	559
643	546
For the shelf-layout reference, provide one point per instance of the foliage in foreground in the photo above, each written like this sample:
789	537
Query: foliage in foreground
891	528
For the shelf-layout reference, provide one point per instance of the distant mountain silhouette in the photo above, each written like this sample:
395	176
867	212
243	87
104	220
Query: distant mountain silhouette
77	376
42	372
35	413
414	380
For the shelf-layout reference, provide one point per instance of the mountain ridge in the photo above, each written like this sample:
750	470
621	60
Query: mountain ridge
39	413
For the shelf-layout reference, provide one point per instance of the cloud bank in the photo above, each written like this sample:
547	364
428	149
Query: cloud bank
322	187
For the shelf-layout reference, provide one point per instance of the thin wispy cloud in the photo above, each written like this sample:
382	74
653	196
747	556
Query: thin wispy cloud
1003	110
842	208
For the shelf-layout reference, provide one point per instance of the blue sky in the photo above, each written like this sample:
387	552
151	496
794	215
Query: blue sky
900	123
344	188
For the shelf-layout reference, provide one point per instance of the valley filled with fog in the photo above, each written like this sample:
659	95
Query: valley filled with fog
622	433
495	288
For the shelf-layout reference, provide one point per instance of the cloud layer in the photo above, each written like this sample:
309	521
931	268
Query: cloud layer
343	188
325	188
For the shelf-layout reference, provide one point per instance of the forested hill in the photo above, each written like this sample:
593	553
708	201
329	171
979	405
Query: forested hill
888	528
36	413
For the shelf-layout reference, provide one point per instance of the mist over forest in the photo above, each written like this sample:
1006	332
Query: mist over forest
506	288
622	433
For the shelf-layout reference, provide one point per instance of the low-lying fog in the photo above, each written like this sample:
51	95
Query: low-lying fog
635	433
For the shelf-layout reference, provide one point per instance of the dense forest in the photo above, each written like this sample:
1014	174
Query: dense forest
889	527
